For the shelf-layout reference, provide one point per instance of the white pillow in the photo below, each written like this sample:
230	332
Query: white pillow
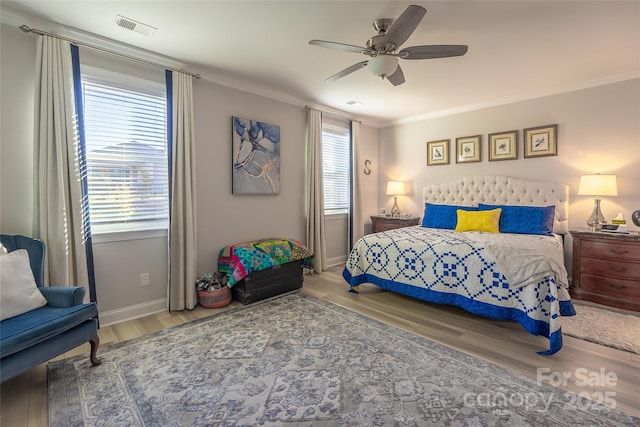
3	250
18	290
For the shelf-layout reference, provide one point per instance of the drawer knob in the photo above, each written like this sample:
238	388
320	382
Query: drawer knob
617	286
617	269
619	251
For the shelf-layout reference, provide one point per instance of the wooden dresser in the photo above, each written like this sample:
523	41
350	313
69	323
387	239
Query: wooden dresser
383	223
606	268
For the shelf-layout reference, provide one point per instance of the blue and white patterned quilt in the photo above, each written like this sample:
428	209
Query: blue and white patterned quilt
449	267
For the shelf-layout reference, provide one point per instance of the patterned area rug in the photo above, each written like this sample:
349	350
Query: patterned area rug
606	327
300	361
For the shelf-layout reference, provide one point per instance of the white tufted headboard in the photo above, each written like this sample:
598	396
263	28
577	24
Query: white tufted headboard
504	190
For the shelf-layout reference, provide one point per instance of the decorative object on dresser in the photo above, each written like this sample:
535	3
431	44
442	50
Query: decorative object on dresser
395	189
597	185
384	223
606	268
635	217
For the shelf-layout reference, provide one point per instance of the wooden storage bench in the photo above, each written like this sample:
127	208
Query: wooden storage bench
264	268
268	283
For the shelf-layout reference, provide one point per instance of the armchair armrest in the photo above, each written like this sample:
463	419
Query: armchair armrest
63	296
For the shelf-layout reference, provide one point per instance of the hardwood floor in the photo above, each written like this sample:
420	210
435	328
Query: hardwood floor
24	400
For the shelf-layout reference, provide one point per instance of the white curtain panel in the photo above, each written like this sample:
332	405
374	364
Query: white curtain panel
182	229
58	195
356	214
316	240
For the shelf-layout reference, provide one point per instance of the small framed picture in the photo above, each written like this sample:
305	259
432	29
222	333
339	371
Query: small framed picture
503	145
541	141
383	211
468	149
438	152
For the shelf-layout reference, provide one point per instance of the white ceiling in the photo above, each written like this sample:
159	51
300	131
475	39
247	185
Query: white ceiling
517	49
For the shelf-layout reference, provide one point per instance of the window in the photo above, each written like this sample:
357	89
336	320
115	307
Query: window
126	148
336	139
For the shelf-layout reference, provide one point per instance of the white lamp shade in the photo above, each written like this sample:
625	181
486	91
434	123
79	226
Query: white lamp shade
598	185
382	65
395	188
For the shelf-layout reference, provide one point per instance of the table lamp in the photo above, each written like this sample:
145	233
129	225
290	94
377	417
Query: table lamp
395	189
597	185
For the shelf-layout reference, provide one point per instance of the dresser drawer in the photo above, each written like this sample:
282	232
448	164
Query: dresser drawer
610	285
383	223
386	226
608	268
610	250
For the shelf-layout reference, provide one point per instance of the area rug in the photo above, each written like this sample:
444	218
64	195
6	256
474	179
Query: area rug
300	361
606	327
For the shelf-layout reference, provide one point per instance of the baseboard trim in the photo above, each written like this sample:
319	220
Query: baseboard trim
132	312
332	262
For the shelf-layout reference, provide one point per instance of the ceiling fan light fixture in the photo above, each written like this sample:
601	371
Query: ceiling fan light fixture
382	65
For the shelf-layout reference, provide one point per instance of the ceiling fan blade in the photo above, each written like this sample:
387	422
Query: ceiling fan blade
339	46
405	25
348	70
433	51
397	78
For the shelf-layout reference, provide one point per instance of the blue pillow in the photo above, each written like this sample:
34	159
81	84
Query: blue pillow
442	216
525	219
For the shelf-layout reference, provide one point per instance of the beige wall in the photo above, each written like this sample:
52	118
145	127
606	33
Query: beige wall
223	218
598	131
17	75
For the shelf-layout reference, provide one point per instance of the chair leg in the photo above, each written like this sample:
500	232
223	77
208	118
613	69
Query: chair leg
95	343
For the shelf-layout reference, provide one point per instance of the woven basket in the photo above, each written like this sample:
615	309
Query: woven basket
216	298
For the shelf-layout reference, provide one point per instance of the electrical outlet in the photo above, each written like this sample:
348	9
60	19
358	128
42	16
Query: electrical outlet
144	279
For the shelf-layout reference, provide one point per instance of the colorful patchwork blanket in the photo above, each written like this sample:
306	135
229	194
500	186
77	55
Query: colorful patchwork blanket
238	261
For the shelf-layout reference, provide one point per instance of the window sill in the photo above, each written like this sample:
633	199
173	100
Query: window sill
336	215
120	236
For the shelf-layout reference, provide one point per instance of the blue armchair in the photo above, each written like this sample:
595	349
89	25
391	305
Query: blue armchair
36	336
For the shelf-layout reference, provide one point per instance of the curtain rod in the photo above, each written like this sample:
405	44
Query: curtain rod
28	29
306	107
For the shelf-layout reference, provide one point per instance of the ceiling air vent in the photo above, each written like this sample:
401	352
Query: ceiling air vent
136	26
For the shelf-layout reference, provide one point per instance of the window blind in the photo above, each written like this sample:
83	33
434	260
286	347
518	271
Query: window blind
126	150
335	168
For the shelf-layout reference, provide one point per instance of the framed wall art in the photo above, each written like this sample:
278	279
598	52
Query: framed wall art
468	149
256	157
503	145
438	152
541	141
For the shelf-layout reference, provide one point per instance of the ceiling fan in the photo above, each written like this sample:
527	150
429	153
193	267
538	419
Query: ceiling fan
383	48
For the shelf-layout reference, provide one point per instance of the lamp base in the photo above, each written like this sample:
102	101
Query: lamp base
596	219
395	211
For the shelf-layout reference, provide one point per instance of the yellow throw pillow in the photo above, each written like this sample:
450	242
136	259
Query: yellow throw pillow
488	221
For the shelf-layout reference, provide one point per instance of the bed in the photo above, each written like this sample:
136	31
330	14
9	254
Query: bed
492	245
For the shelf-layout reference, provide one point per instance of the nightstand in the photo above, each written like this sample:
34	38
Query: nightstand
383	223
606	268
